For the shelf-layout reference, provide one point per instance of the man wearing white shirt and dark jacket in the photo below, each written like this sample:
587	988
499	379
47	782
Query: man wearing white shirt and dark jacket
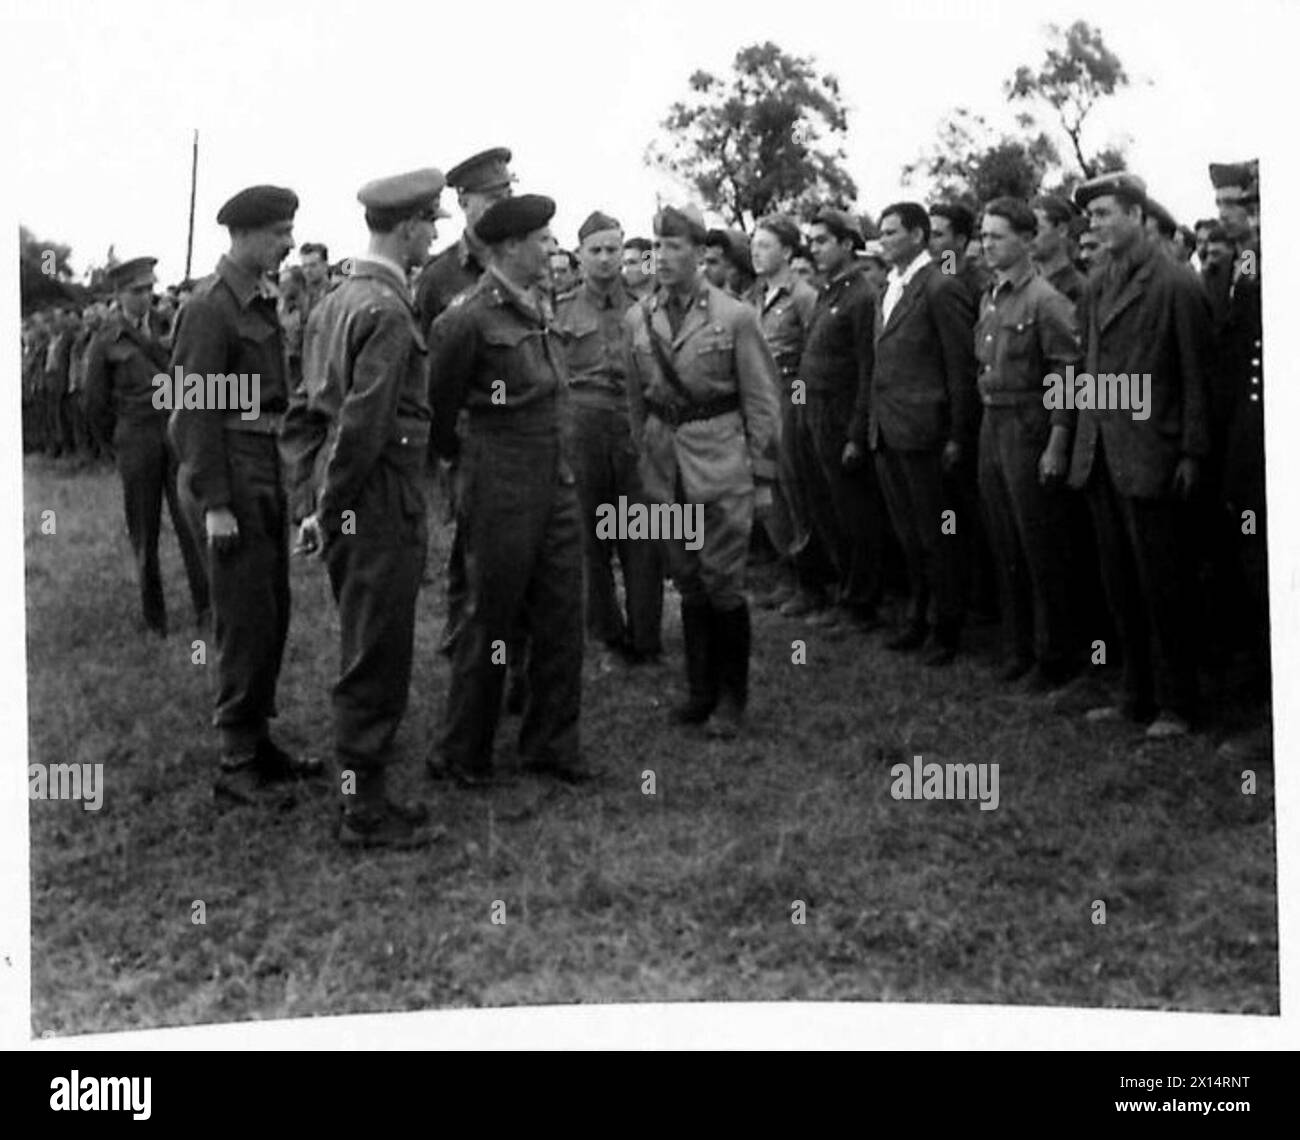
919	415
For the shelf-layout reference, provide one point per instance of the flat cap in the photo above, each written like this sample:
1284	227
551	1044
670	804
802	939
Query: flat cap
1120	183
683	221
734	246
136	271
412	192
597	223
842	225
1241	175
514	217
784	227
258	206
487	170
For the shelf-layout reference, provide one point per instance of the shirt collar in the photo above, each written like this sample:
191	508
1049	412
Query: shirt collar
914	267
698	295
244	285
471	249
606	298
387	264
1016	278
522	298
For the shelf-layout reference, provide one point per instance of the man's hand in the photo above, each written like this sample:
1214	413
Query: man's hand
762	498
852	456
951	456
1052	465
447	488
311	538
222	529
1186	476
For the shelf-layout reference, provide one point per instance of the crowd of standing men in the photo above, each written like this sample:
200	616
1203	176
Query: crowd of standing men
885	409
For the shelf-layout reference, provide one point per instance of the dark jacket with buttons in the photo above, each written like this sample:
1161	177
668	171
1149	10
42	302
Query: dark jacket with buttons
230	325
922	390
1240	396
364	404
1157	322
121	365
497	358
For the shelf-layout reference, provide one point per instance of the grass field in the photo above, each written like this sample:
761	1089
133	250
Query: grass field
610	894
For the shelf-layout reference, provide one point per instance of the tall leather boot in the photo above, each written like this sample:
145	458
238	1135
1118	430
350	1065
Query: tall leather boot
701	664
731	631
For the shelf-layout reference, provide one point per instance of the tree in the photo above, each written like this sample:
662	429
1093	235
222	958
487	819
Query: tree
768	139
969	163
1079	71
44	275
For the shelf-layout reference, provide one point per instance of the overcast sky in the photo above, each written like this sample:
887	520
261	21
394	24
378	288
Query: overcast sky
323	97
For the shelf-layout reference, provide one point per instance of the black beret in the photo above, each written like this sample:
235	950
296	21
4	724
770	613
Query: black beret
842	226
597	223
417	190
514	217
128	272
784	227
1119	183
258	206
685	222
487	170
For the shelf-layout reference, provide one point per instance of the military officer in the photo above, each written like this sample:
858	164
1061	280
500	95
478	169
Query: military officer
229	483
494	355
359	439
479	181
119	390
590	320
703	399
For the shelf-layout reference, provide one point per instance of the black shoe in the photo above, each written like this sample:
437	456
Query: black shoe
1014	670
400	826
1048	680
475	779
242	780
913	637
701	664
277	764
940	657
863	619
574	774
732	637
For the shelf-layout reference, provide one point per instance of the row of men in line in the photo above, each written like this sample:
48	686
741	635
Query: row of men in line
700	380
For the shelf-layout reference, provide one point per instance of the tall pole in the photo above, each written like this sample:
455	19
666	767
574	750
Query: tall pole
194	179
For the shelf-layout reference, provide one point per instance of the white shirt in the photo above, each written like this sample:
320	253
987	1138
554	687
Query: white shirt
896	282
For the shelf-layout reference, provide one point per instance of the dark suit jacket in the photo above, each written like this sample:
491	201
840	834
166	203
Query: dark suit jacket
922	389
1159	324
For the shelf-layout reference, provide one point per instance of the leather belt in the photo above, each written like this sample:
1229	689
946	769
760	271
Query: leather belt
268	423
696	410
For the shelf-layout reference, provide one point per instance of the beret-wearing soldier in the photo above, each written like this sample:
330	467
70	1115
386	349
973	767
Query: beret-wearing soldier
229	482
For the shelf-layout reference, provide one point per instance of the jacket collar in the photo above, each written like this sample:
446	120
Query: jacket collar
381	269
239	281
